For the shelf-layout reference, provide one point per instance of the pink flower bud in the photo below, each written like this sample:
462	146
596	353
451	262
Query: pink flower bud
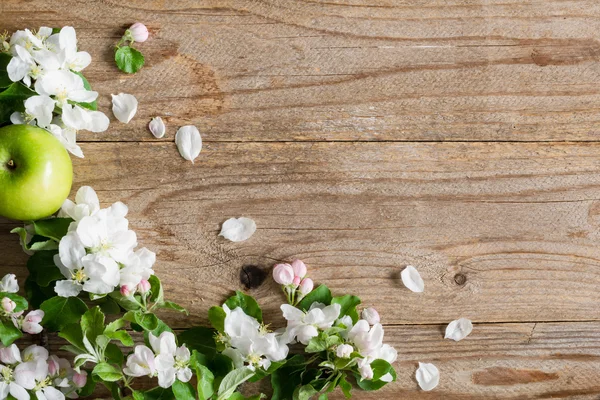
127	290
306	286
143	286
299	268
296	281
283	274
371	315
139	32
53	365
8	305
80	378
31	322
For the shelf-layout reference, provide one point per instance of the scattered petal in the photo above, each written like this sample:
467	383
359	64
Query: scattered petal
428	376
459	329
189	142
124	107
412	280
238	229
157	127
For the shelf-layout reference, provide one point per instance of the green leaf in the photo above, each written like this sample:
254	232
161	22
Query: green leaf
232	380
42	268
4	79
72	333
90	106
148	321
88	389
204	376
43	245
183	391
37	294
246	303
285	380
53	228
200	339
13	99
9	333
128	303
173	306
107	372
216	316
129	60
346	387
321	294
114	354
156	290
137	395
121	336
159	393
160	328
317	344
348	305
61	311
109	306
379	369
92	323
304	392
19	301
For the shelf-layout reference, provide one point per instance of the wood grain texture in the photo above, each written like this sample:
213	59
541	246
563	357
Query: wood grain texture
285	70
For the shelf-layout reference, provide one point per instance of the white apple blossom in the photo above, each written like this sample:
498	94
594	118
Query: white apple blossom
31	322
138	267
171	366
38	111
10	355
141	362
305	326
22	67
79	118
9	284
86	204
368	340
93	273
163	344
64	85
344	350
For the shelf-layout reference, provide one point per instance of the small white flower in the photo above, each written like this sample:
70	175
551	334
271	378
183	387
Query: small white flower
124	107
344	350
38	110
10	355
86	204
157	127
371	315
458	329
305	326
9	284
73	60
189	142
138	267
64	85
141	362
34	353
238	229
22	66
31	322
365	369
79	118
412	280
428	376
173	366
163	344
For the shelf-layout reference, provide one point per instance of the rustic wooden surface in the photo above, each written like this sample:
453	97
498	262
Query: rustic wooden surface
457	136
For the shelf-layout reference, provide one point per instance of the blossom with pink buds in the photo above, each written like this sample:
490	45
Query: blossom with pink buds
306	286
31	323
144	286
299	268
138	32
80	378
283	274
127	290
371	315
296	282
8	305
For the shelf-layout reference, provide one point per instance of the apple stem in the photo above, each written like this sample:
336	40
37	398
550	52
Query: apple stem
10	164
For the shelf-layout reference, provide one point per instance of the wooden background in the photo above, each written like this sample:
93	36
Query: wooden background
459	136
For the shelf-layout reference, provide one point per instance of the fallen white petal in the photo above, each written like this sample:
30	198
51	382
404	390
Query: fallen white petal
124	107
189	142
412	280
157	127
428	376
238	229
459	329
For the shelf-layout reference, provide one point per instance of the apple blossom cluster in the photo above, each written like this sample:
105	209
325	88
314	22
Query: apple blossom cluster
13	307
61	101
293	279
34	373
163	359
98	252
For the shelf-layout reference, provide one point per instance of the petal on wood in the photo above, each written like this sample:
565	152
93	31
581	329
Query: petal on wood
124	107
412	279
157	127
459	329
428	376
189	142
238	229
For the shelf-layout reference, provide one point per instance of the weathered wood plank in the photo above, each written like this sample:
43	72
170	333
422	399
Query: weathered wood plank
501	361
499	231
284	70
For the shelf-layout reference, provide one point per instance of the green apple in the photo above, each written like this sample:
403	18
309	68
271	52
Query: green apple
35	173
